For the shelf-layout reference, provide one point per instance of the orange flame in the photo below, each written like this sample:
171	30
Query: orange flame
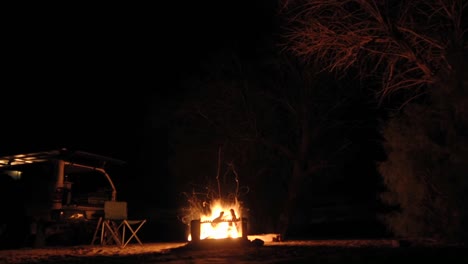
223	222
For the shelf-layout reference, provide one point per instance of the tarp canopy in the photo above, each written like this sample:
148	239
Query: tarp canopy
78	157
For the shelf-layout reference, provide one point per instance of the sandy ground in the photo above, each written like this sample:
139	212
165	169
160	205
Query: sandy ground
310	251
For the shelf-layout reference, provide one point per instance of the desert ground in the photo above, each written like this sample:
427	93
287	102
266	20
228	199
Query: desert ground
259	249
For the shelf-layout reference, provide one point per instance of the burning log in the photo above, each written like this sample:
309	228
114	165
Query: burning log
218	219
233	216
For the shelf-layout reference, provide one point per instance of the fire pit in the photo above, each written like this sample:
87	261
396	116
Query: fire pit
218	229
196	227
221	226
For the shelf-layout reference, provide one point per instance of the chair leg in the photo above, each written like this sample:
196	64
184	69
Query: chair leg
98	226
133	231
110	228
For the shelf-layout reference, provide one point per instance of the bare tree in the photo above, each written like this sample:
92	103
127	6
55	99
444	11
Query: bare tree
280	114
404	45
418	47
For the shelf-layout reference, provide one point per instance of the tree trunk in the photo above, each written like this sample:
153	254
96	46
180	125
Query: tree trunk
291	201
299	172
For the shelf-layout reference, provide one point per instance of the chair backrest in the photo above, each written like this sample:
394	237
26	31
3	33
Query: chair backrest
115	210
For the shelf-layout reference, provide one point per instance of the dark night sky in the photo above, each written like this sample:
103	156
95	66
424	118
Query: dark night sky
97	77
99	69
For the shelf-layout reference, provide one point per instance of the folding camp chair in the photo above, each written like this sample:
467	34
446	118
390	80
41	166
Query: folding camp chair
133	226
114	225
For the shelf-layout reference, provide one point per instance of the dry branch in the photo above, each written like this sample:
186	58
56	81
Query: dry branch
405	43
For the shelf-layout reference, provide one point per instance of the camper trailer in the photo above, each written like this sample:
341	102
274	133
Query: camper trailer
54	196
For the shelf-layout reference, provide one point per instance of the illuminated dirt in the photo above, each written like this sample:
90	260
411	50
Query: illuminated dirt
313	251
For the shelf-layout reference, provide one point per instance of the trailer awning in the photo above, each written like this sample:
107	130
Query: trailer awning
79	157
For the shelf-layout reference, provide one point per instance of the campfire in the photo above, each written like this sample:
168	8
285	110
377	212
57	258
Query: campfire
217	221
215	214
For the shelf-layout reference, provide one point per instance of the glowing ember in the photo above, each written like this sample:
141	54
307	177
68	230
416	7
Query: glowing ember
223	221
